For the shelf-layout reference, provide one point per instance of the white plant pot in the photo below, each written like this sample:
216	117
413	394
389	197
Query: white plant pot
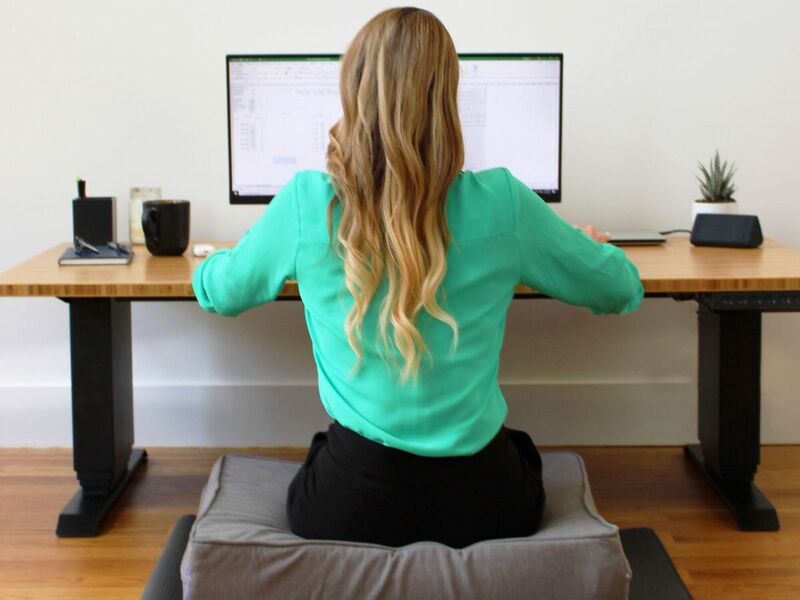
713	208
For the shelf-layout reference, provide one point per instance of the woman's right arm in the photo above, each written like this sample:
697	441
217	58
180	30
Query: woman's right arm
559	260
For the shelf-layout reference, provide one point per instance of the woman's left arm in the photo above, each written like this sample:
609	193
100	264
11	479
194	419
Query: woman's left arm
233	280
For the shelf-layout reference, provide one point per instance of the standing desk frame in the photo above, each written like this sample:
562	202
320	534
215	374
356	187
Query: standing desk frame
732	289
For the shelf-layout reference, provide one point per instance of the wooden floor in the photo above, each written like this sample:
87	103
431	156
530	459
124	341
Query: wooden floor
633	487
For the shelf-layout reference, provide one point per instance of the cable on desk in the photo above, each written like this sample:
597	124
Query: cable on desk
669	231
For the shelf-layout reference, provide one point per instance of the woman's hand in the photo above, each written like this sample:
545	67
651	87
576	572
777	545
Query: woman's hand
590	230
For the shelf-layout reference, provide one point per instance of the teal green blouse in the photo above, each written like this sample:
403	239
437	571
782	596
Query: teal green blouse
503	234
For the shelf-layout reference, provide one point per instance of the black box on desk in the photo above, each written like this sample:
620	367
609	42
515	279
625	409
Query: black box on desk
95	219
727	231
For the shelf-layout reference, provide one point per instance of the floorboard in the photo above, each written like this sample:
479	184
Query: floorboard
633	487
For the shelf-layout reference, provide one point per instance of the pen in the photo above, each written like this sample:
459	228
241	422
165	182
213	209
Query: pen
81	188
120	250
81	245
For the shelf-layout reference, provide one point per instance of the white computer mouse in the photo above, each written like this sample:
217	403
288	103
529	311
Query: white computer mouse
202	249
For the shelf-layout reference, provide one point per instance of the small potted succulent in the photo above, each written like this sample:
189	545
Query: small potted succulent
717	188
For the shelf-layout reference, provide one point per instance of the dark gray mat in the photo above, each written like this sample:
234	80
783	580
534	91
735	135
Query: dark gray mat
654	575
165	580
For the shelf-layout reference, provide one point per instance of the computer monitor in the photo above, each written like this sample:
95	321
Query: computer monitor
281	107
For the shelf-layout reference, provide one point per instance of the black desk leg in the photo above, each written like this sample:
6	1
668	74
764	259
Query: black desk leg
729	413
102	411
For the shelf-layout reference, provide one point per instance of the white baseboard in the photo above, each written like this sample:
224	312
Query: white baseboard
287	415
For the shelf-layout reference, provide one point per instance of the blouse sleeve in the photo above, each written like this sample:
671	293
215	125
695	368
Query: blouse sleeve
233	280
559	260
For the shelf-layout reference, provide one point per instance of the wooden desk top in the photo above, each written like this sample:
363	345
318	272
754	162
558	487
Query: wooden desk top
675	267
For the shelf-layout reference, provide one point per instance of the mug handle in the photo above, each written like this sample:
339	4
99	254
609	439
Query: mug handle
150	223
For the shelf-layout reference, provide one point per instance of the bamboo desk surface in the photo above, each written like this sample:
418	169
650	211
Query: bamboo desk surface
676	267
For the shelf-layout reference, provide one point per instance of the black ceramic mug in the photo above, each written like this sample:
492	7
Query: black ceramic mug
166	226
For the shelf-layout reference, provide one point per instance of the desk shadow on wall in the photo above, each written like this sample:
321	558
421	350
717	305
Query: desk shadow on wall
569	377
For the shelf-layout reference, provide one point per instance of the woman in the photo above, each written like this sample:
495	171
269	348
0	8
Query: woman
406	267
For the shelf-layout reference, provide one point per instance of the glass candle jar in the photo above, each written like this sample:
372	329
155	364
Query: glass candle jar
139	195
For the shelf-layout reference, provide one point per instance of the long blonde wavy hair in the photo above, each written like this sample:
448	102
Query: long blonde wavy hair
392	158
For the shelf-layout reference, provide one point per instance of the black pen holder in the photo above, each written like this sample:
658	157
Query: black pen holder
95	220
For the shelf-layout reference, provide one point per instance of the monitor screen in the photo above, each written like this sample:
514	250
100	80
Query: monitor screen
280	108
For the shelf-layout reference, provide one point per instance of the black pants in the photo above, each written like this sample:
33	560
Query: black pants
351	488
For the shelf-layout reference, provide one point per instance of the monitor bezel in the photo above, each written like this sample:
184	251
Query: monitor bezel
552	197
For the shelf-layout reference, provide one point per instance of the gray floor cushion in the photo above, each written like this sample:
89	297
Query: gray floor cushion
241	547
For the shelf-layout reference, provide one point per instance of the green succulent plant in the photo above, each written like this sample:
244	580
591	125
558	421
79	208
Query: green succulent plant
717	185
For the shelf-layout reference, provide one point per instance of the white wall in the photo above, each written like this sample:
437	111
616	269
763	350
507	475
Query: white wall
133	93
